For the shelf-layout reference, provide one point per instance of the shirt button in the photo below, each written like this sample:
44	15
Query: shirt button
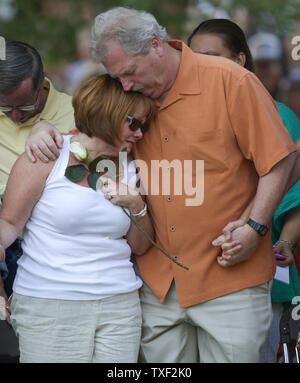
166	139
172	228
169	199
175	257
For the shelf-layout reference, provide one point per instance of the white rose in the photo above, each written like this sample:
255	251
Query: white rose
80	152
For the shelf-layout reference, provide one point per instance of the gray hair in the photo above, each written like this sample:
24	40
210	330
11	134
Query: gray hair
131	28
22	61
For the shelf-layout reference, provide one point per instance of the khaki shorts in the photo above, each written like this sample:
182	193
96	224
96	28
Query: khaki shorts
231	328
54	331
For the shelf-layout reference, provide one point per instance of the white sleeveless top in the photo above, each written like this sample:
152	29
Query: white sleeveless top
73	245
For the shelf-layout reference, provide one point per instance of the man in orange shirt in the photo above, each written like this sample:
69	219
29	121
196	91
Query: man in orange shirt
215	114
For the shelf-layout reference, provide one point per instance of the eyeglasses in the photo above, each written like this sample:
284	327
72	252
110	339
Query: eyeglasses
135	124
25	108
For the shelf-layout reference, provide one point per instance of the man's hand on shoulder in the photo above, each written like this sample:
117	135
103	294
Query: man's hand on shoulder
43	142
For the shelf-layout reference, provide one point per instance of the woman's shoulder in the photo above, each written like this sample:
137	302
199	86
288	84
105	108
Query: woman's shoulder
28	168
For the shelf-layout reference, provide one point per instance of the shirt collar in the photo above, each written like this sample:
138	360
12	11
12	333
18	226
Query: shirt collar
187	81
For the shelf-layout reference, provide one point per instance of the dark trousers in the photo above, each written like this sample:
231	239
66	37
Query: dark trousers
12	254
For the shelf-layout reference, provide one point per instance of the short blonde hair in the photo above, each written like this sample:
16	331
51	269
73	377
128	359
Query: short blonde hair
101	107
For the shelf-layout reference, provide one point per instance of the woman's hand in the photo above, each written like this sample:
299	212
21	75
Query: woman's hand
227	230
229	247
284	248
4	305
122	195
43	142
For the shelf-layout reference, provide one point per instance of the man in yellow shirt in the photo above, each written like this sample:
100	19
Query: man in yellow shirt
26	98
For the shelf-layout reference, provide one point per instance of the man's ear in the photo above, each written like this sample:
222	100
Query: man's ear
241	59
156	44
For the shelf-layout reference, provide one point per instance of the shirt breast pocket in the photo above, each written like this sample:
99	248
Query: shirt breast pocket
209	146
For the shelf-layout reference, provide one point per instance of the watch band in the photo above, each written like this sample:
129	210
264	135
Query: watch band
258	227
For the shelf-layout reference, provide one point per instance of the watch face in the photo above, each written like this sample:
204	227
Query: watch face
263	230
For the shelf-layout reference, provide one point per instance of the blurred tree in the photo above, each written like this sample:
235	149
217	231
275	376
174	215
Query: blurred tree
169	13
275	15
51	34
51	25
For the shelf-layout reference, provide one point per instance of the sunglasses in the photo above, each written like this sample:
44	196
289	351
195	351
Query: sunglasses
135	124
25	108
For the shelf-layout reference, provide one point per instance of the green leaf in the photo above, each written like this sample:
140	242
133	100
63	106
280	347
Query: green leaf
92	180
75	172
94	163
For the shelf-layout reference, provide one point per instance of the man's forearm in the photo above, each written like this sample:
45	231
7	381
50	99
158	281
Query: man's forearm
271	189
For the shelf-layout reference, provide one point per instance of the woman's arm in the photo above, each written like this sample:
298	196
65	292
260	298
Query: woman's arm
24	188
120	194
289	236
296	171
138	242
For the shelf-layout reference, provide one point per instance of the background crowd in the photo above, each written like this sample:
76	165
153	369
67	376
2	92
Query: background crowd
65	48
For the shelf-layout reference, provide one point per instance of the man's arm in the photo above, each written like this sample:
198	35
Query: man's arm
270	191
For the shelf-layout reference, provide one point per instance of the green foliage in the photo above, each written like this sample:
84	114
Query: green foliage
54	35
169	13
276	15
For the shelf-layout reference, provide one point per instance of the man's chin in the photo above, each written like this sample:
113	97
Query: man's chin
149	92
140	89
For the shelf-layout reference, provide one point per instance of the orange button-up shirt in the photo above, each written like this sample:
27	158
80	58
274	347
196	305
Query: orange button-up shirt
219	113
